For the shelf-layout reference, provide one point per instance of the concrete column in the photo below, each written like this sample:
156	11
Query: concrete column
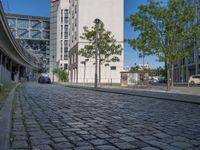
1	58
1	61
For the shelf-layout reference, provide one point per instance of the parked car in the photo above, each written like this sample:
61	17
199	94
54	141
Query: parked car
194	80
44	79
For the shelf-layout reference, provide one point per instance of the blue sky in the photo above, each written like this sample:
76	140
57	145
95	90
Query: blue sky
41	8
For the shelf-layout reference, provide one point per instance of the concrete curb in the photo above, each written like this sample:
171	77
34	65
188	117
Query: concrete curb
6	120
192	99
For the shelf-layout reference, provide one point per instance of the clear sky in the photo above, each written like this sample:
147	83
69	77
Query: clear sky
42	8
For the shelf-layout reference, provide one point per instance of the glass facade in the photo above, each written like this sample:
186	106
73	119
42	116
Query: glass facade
33	33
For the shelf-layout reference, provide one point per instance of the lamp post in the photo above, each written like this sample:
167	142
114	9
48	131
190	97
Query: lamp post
84	63
96	21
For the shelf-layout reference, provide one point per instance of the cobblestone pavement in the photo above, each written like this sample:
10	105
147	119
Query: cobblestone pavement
55	117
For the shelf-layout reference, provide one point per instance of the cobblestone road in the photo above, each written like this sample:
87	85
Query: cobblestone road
54	117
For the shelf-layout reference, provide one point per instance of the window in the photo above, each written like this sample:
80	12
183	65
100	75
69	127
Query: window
36	34
65	44
12	23
36	24
61	45
46	25
46	34
65	66
22	23
66	12
22	33
74	58
61	16
113	68
66	34
13	31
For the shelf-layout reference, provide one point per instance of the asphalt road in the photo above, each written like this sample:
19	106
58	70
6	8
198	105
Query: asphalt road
57	117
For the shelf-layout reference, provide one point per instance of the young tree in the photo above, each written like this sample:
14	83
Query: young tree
108	48
61	74
167	31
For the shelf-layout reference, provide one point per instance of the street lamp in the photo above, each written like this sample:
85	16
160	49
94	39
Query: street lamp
96	21
84	63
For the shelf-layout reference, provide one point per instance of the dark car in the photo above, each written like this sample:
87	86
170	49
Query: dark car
44	79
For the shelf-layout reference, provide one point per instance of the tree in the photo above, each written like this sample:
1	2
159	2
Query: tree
61	74
134	69
108	49
164	31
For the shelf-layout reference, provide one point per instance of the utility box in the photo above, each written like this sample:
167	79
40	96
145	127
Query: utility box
133	78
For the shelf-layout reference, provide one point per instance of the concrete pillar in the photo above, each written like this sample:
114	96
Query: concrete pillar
1	61
1	58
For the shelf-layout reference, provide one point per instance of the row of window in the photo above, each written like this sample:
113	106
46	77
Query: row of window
35	34
34	24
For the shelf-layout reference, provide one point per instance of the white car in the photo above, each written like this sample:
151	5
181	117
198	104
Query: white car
194	79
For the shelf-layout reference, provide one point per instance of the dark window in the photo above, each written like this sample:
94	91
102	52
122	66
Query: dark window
113	68
196	77
65	66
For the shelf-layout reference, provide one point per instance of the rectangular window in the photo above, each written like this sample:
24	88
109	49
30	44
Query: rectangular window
46	25
46	34
36	24
61	45
22	23
12	23
22	33
61	16
65	44
113	68
65	66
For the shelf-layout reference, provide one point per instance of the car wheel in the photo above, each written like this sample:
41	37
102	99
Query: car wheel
192	83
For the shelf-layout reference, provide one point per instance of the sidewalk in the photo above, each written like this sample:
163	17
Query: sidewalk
181	94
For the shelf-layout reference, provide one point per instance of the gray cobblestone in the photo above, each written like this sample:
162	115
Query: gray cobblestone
56	117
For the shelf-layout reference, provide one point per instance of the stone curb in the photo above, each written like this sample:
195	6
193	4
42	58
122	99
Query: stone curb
6	120
185	98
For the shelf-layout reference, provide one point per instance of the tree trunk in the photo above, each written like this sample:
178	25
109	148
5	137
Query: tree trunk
168	75
172	76
99	69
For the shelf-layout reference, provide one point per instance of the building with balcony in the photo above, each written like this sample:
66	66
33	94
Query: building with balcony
33	34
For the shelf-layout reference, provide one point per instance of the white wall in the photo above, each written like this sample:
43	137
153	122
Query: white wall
111	12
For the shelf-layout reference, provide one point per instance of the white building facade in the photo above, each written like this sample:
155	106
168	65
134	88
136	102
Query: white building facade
59	35
83	13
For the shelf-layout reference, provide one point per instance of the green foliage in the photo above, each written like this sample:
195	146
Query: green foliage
163	30
5	90
157	72
167	31
61	74
107	44
134	69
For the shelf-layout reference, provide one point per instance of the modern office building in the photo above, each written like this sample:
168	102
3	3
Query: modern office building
191	65
33	34
82	13
59	35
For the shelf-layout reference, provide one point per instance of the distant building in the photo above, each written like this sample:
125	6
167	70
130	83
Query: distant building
59	36
186	67
33	34
68	17
143	66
